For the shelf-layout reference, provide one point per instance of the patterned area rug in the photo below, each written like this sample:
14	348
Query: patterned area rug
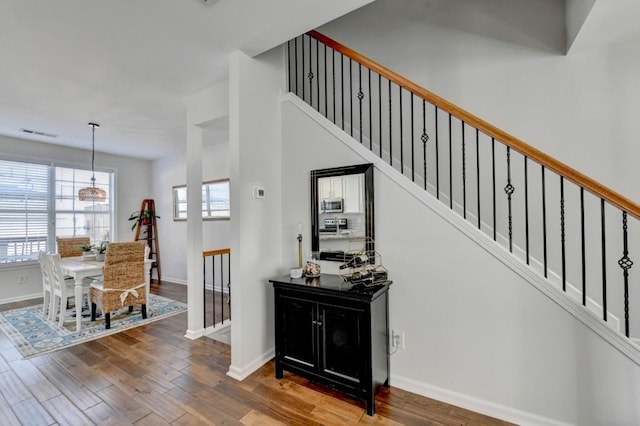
32	334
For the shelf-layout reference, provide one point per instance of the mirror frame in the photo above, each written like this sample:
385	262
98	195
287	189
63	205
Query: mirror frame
367	170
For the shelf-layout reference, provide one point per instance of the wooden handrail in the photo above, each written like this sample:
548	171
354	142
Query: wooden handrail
516	144
216	252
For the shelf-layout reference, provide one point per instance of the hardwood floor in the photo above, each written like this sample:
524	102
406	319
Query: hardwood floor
152	375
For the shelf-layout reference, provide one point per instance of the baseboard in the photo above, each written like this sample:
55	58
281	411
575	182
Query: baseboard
474	404
21	298
241	373
195	334
174	280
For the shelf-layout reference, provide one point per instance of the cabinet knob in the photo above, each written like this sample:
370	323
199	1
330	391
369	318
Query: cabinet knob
319	323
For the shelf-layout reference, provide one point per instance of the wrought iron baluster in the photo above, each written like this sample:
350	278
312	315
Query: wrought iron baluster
509	190
437	157
342	87
424	138
582	243
317	75
380	113
295	64
390	129
370	117
478	175
450	167
360	97
303	62
413	174
626	264
289	65
401	114
221	290
604	260
204	292
324	62
213	287
351	95
229	282
526	208
310	74
493	187
562	236
464	172
544	223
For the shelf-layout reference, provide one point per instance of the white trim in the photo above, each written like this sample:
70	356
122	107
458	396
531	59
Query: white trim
21	298
195	334
241	373
474	404
604	330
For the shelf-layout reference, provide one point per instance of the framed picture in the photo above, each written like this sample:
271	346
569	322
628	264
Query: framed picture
215	201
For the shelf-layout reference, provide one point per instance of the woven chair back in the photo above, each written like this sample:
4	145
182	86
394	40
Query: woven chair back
124	265
70	247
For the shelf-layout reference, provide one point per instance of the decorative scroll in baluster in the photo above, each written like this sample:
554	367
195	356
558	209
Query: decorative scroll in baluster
562	235
360	97
424	138
626	264
310	75
509	190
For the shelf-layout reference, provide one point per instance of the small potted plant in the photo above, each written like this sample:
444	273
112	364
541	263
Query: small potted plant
87	249
101	250
143	218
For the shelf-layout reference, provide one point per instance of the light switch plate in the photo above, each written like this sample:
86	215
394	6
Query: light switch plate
258	192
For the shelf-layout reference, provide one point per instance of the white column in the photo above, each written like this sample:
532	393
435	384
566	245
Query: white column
195	275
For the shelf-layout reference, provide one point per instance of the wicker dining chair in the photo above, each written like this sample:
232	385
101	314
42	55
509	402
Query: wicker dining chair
70	247
123	281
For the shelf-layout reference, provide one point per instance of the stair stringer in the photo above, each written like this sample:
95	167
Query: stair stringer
616	339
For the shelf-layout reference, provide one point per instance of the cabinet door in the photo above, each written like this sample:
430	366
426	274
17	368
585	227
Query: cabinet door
353	192
298	328
342	356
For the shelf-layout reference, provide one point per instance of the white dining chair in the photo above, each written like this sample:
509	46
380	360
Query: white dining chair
46	285
62	289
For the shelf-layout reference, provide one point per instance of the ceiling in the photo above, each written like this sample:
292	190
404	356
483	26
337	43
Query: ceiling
129	65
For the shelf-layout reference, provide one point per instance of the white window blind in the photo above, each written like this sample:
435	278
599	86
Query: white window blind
24	210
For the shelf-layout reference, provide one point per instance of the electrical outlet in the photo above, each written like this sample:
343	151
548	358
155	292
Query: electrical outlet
23	279
397	339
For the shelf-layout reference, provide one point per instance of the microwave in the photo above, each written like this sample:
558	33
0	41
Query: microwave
331	205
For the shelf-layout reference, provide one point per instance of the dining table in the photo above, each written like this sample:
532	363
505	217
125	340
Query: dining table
82	267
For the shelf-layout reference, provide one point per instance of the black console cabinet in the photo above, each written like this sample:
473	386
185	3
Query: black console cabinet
333	333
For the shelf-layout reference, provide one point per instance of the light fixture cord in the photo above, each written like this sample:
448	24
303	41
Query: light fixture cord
93	153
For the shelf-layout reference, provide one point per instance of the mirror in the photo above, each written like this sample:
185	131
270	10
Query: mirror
342	211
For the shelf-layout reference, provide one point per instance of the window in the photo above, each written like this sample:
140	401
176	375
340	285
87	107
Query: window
39	202
215	200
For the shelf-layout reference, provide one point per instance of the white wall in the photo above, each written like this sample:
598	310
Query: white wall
254	150
487	341
132	186
172	238
504	62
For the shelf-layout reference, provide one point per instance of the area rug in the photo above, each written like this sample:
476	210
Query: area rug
32	334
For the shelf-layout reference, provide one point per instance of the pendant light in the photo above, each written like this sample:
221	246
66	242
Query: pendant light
91	193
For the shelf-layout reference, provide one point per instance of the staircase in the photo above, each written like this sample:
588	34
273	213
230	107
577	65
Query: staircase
566	228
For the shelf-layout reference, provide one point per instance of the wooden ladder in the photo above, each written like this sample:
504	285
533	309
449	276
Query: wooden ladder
147	230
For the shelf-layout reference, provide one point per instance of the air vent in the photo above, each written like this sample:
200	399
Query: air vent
35	132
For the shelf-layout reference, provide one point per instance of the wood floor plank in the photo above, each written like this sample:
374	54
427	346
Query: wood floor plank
256	418
151	420
31	412
7	416
75	391
84	374
162	404
65	412
104	415
124	404
12	388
